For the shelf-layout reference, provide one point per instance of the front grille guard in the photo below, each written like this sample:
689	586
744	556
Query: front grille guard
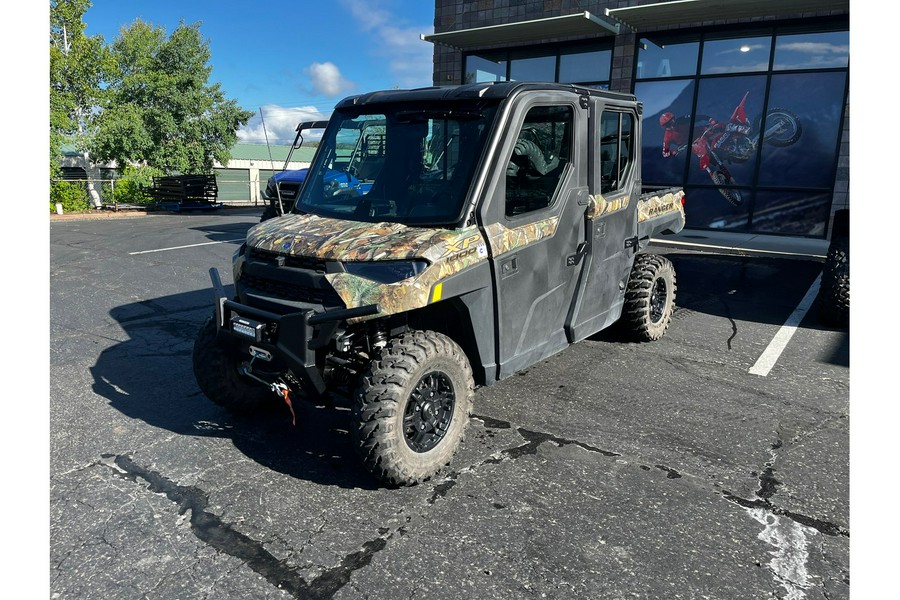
299	334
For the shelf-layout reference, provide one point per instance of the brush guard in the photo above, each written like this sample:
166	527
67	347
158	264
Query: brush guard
294	337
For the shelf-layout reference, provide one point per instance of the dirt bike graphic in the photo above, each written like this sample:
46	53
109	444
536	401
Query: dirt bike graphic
719	144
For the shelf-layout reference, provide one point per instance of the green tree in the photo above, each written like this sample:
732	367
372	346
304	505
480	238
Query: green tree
160	108
78	66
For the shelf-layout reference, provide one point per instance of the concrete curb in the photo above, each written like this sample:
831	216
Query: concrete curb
131	213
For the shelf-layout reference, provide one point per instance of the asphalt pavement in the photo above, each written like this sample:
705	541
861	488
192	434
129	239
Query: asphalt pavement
611	470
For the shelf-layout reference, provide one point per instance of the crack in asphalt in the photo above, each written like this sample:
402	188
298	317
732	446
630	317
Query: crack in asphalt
767	481
210	529
768	486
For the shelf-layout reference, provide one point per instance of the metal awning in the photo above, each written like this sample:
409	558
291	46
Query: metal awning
580	24
676	12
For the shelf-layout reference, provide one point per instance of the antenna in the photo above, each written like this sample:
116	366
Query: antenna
265	133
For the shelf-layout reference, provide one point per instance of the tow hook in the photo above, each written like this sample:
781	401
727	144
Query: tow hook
279	387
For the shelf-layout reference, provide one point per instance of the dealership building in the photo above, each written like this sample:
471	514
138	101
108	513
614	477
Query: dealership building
776	71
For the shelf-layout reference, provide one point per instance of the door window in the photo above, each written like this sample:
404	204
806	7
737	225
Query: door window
539	159
616	149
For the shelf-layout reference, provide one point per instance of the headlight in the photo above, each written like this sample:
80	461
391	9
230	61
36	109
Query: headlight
387	271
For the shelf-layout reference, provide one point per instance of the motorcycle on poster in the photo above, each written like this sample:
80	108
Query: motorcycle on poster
718	144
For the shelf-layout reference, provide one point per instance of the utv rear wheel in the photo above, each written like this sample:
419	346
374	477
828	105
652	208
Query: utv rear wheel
411	411
649	298
217	373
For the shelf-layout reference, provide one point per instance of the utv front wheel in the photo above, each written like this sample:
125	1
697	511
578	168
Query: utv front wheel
218	374
412	409
649	298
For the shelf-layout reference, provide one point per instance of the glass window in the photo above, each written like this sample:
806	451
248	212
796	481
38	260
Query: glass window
801	129
736	55
812	51
791	213
539	158
585	66
722	146
660	57
666	142
707	209
410	164
480	68
616	149
539	68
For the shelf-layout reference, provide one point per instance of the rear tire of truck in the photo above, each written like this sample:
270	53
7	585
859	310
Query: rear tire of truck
649	298
216	371
411	411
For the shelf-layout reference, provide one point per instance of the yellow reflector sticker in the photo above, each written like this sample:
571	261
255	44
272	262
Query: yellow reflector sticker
436	294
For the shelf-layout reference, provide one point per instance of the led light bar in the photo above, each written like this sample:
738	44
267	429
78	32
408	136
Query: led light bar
247	328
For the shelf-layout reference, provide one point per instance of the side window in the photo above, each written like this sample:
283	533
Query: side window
541	153
616	149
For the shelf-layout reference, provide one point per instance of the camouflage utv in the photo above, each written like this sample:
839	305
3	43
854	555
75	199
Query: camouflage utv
503	223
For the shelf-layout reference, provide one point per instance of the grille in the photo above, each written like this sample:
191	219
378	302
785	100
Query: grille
290	291
288	190
309	263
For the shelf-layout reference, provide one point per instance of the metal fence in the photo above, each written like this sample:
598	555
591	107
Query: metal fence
232	192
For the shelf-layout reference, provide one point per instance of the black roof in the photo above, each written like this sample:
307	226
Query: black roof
473	91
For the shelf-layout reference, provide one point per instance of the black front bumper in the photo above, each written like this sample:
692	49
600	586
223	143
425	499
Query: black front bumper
293	337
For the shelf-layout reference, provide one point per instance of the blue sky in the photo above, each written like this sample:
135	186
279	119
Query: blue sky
294	60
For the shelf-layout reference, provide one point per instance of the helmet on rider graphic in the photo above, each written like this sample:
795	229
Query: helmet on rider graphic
666	119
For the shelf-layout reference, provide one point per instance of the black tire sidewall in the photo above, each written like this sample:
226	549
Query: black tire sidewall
215	370
380	405
636	314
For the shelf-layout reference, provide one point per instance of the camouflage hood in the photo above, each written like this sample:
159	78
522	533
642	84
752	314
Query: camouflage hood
334	239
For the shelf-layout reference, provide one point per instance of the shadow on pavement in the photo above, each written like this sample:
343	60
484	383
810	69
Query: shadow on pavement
150	377
755	289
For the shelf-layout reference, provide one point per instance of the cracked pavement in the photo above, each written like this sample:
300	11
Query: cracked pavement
611	470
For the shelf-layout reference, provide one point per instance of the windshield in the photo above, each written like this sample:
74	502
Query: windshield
403	164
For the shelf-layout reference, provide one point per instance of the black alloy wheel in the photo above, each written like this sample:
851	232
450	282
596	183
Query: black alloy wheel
429	412
658	300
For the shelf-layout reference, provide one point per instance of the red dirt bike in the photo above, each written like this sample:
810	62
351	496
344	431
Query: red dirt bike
736	141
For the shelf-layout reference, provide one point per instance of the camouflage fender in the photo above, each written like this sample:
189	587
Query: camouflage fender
656	206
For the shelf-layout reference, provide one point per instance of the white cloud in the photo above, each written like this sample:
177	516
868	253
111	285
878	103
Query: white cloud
280	124
409	58
327	80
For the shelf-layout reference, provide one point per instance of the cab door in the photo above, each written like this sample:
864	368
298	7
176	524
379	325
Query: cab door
611	218
534	224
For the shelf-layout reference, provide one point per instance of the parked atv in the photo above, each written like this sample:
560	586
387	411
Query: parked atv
503	222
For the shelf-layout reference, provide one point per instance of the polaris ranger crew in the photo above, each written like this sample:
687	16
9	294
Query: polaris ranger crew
504	221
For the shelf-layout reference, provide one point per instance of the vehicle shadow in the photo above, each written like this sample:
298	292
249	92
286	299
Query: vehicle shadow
758	289
150	377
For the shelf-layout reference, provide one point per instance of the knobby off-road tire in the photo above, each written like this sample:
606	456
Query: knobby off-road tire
834	292
411	410
217	375
649	298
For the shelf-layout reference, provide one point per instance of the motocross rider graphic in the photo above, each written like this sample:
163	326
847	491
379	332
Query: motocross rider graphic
716	144
675	136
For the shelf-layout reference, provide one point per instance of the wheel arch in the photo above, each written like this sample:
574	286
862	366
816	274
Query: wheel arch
468	320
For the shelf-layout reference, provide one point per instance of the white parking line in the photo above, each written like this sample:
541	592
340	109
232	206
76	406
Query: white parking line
188	246
770	355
